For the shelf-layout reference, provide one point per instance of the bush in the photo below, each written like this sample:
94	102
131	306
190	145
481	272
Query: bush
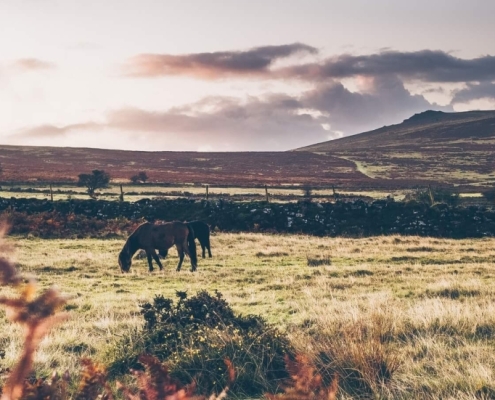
196	334
140	177
96	180
433	196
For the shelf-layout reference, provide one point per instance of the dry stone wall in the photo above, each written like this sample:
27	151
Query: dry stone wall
353	219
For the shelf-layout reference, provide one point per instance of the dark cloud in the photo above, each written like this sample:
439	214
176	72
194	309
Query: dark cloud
385	102
483	90
31	64
425	65
214	65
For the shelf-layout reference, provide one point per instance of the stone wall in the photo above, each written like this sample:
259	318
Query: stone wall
357	218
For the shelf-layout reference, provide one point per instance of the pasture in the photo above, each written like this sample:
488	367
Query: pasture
422	307
135	192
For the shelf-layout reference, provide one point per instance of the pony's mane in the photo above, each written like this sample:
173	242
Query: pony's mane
131	243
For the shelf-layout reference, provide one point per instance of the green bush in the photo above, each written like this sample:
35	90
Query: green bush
195	335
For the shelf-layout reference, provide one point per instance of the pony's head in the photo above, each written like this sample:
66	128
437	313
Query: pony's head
125	260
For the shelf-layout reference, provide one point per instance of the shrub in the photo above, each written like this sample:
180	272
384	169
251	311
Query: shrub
196	334
432	196
140	177
97	179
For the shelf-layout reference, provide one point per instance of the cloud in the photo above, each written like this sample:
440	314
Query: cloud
255	61
273	122
257	124
424	65
483	90
385	102
31	64
52	131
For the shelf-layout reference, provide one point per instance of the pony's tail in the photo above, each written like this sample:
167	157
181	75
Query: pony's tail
192	245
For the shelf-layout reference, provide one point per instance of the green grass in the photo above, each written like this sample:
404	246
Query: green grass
426	303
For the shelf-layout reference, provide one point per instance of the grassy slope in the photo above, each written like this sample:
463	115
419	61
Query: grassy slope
429	302
63	164
445	147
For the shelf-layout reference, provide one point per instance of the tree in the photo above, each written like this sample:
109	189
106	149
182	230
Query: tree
141	177
97	179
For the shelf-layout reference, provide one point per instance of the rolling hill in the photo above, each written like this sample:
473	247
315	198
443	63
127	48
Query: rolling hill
63	164
431	147
455	148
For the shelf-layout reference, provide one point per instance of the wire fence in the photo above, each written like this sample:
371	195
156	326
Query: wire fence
135	192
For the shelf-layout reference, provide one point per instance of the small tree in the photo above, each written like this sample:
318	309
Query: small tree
140	177
97	179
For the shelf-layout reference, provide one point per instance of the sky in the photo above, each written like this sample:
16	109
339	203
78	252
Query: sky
235	75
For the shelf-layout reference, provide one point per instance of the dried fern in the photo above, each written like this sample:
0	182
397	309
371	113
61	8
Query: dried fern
35	314
306	383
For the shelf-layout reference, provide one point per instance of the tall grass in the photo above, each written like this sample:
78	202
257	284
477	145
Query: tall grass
394	317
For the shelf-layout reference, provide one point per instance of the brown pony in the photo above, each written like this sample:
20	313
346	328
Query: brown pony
150	237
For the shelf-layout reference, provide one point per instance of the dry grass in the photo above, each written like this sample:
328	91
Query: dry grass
397	317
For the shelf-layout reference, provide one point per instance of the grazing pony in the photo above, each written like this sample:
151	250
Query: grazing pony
149	237
202	233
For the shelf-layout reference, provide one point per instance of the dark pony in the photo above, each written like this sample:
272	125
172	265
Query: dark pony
202	233
161	237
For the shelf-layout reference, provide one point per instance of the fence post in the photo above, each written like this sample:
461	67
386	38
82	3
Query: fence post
266	194
206	192
121	196
432	199
51	192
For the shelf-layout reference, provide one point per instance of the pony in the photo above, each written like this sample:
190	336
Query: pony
202	233
150	237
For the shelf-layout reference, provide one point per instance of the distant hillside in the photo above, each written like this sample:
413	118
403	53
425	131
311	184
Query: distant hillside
64	164
431	147
456	148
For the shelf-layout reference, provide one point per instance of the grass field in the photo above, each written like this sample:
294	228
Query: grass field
423	307
277	194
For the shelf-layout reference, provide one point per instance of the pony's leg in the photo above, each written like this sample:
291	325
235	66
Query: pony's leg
155	257
180	251
208	247
203	247
150	262
186	250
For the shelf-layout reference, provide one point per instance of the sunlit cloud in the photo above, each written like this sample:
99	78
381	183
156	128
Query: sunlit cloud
31	64
253	62
274	121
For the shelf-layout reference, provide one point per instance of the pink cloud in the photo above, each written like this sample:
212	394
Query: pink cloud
253	62
31	64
